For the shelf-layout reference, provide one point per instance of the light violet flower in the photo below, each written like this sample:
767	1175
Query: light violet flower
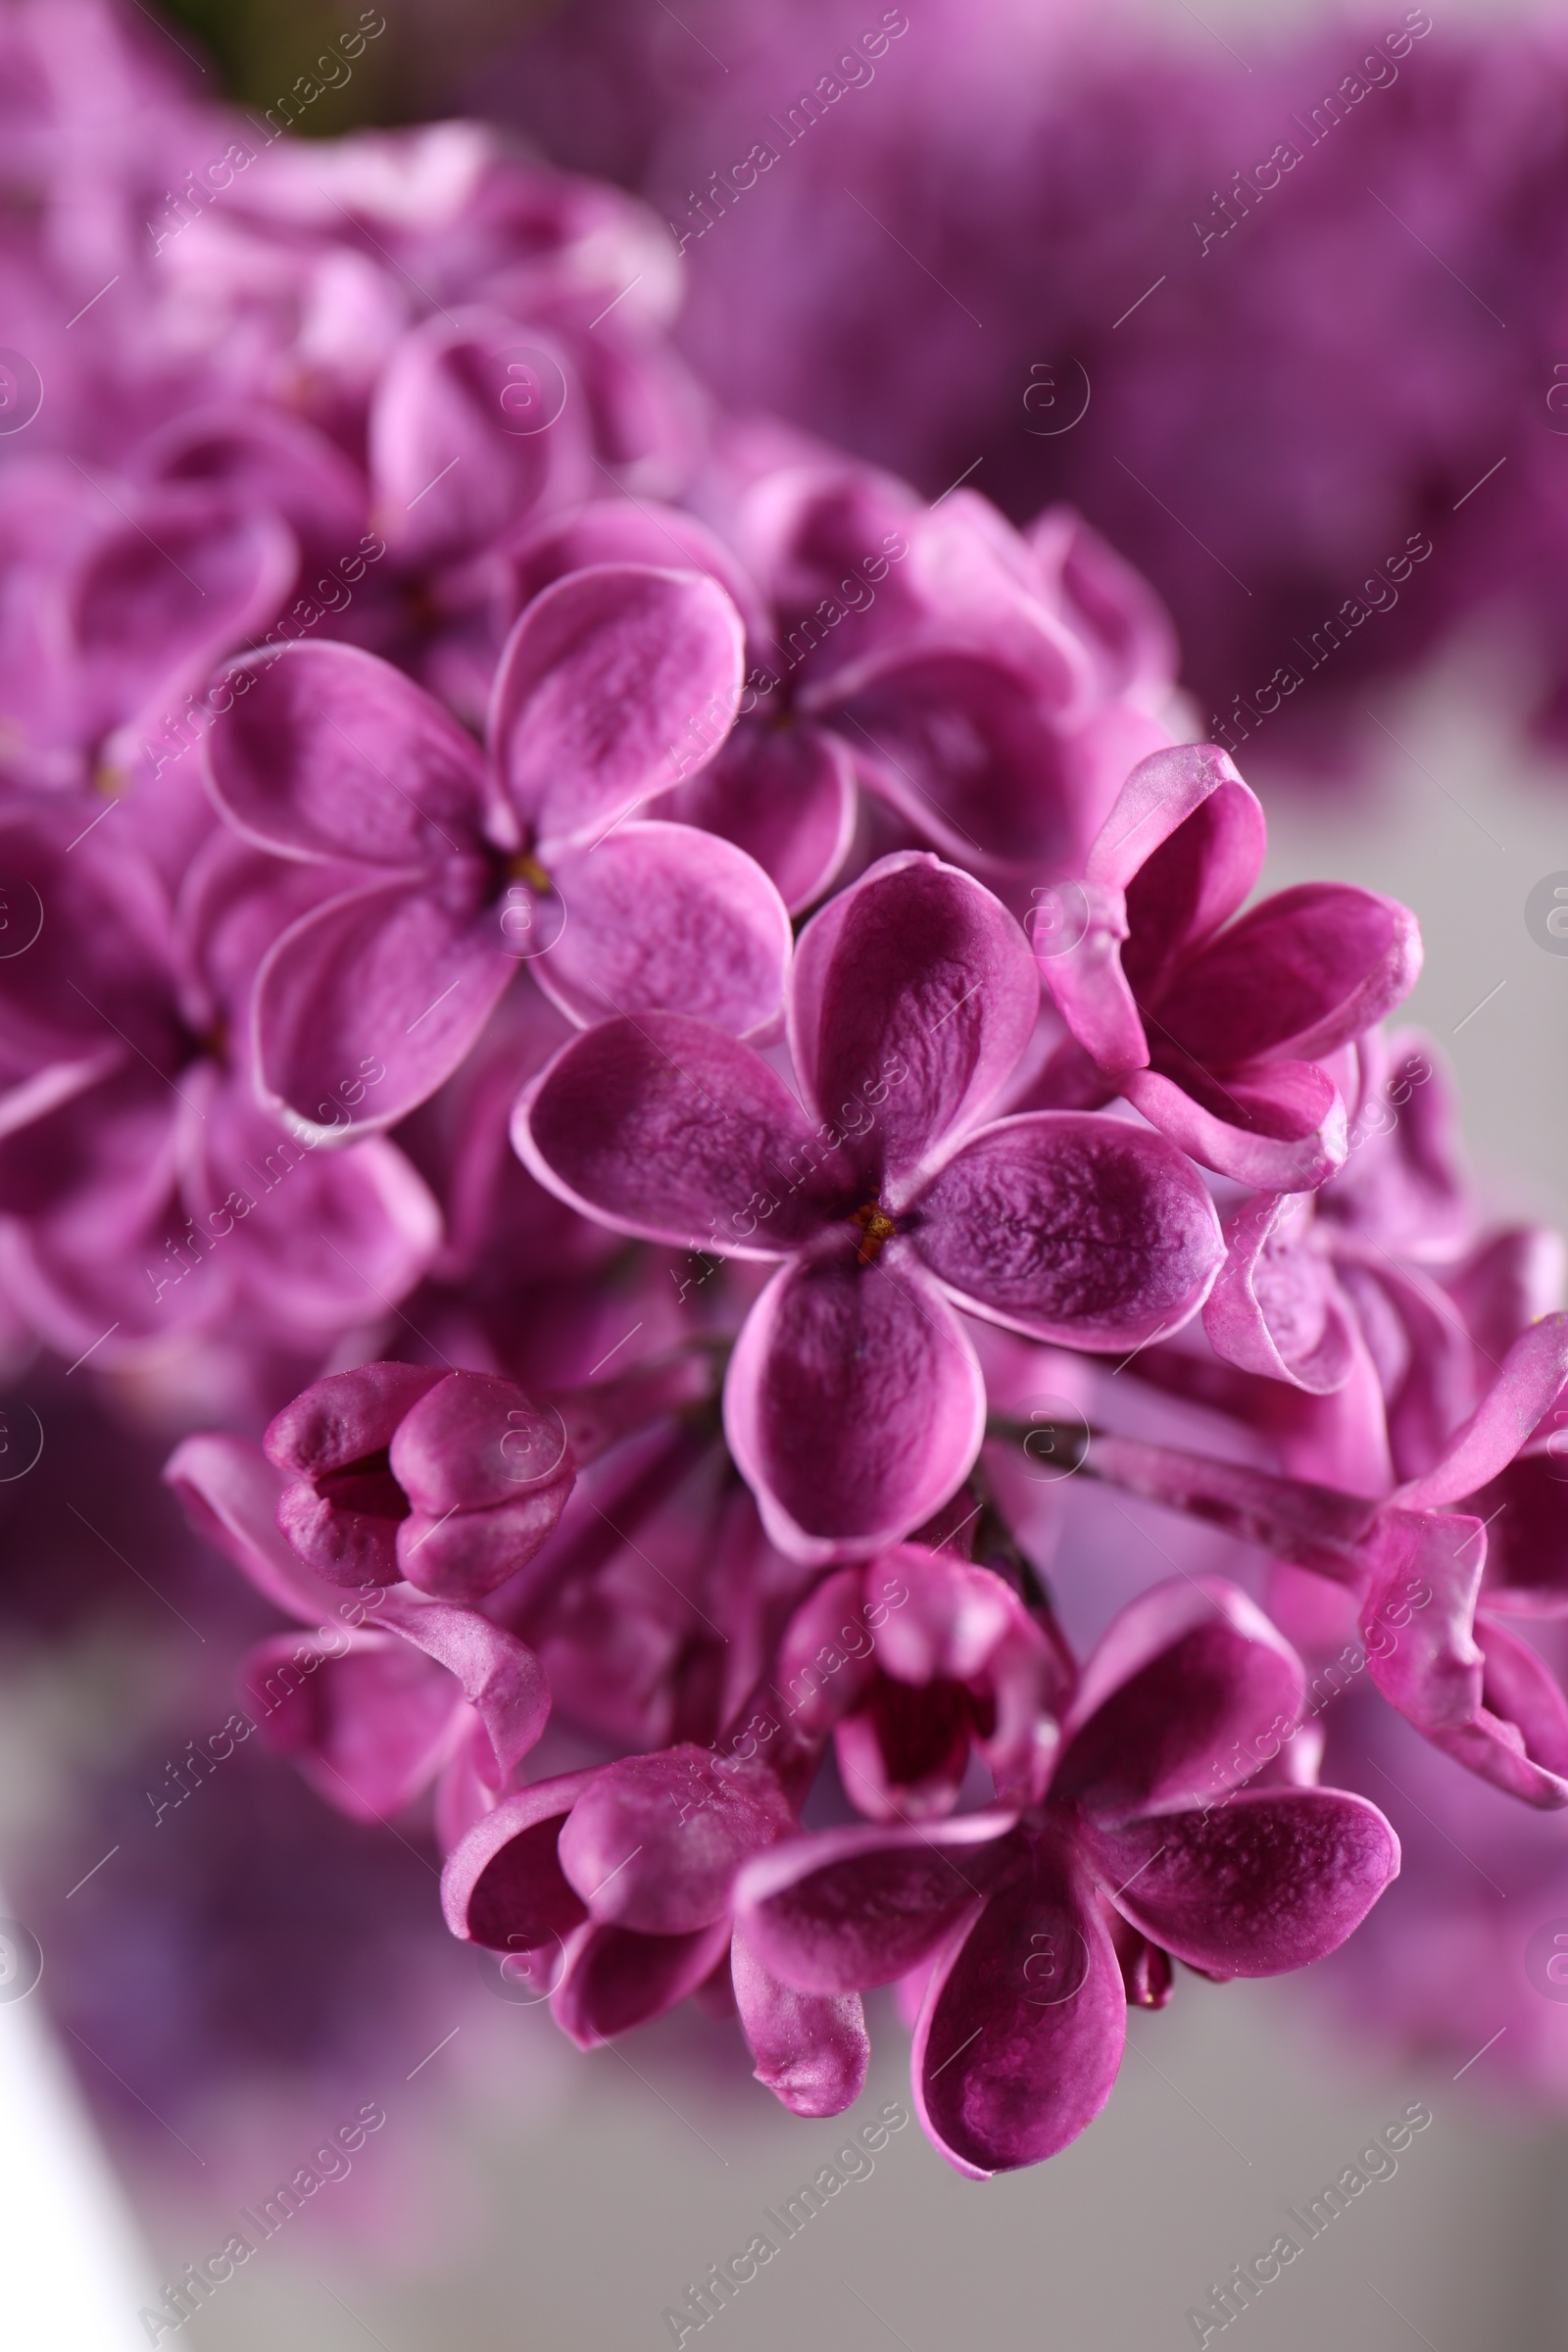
1146	1815
854	1404
327	756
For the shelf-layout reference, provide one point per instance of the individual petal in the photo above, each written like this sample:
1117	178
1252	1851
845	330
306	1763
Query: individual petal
972	755
1185	840
1518	1738
451	471
1071	1227
1275	1307
1178	1702
1281	1129
470	1440
1270	1880
850	1908
825	1658
669	1128
1079	932
662	918
616	1978
655	1842
503	1885
324	751
1304	972
384	990
498	1674
230	1491
1021	2029
1424	1573
812	2049
854	1405
366	1725
914	995
1530	1378
787	797
903	1756
614	683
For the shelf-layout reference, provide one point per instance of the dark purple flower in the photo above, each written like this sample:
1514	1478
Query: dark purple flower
1148	1815
854	1404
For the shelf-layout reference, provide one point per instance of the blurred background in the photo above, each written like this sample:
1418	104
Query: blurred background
990	266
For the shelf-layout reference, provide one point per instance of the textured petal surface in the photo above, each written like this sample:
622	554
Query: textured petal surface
324	751
787	798
1021	2034
1177	1702
1270	1880
385	990
1071	1227
1282	1130
655	1845
854	1405
914	995
812	2049
663	918
614	683
667	1127
1304	972
850	1908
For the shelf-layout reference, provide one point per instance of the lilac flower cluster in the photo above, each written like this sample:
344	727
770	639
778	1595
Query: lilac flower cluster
613	1067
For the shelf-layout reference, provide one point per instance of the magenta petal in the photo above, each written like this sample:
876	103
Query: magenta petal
367	1726
1021	2034
812	2049
848	1908
616	1978
1275	1307
1177	1702
324	751
667	1128
1518	1739
345	1416
1071	1227
471	1440
914	995
788	799
615	683
451	470
854	1405
1269	1880
503	1885
1192	795
971	756
1280	1130
1083	976
373	999
1418	1619
661	918
230	1491
498	1674
655	1842
1533	1373
1304	972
